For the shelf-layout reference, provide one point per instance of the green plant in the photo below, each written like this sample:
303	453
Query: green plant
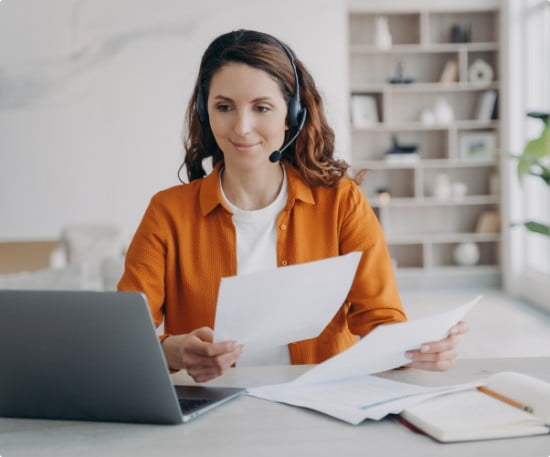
535	161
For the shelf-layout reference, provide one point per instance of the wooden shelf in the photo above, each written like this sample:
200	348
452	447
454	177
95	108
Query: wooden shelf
452	269
417	126
363	49
440	238
424	163
425	87
475	200
422	231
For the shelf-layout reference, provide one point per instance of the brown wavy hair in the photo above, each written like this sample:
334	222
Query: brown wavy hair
312	152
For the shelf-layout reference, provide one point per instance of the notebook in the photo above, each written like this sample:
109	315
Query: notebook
84	355
510	405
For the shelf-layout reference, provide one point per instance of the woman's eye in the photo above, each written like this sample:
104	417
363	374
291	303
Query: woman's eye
223	108
263	109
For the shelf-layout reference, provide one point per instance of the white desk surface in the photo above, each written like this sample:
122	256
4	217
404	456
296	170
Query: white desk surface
252	427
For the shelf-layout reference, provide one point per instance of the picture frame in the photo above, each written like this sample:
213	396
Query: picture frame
476	145
364	110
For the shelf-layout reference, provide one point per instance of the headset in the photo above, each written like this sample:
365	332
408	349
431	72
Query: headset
296	112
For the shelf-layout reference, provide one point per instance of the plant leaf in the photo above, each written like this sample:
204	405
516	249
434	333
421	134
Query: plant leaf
534	151
539	147
537	227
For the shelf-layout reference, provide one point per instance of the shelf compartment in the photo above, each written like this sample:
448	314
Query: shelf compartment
407	255
476	178
490	57
378	68
483	25
399	182
431	145
407	106
404	28
443	254
433	221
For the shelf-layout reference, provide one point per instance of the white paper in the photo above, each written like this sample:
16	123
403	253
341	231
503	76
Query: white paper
268	309
343	386
355	399
384	348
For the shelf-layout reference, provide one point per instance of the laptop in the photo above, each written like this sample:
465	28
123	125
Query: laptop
84	355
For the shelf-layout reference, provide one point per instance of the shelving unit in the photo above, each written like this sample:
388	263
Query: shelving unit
422	228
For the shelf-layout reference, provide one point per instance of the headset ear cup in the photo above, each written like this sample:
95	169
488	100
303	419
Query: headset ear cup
295	110
202	111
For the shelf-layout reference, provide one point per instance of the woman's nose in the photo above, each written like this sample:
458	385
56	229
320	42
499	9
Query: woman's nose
243	123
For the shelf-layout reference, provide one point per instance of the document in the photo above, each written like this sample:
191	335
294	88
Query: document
272	308
384	348
354	399
344	386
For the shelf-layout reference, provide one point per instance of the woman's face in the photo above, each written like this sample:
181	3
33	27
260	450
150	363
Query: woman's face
247	113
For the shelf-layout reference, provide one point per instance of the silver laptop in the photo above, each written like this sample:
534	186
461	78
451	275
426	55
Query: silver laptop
90	356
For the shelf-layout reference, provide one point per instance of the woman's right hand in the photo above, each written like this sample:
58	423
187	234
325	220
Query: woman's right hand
196	353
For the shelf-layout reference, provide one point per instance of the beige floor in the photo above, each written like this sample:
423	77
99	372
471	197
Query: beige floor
500	325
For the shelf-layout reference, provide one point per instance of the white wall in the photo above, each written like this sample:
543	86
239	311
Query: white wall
93	94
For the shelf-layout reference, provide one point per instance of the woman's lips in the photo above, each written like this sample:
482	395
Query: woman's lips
244	146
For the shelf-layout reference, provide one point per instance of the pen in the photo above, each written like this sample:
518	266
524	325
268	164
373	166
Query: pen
505	399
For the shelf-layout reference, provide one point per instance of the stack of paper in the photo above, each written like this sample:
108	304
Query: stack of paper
354	399
268	309
344	387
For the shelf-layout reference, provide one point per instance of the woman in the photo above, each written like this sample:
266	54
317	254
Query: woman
275	197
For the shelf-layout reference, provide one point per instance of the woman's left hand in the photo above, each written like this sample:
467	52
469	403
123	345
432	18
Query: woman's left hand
438	355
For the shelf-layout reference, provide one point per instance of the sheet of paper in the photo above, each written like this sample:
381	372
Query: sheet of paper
384	348
272	308
355	399
343	386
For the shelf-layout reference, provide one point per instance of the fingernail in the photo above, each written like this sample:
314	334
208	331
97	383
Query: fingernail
454	331
409	355
424	348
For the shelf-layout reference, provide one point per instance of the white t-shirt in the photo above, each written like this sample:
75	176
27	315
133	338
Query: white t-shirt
256	232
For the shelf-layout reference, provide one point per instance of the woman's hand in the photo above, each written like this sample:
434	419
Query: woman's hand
196	353
438	355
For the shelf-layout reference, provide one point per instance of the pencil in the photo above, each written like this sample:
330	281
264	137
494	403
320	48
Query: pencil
505	399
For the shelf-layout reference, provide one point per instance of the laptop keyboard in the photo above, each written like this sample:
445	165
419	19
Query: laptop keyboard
188	405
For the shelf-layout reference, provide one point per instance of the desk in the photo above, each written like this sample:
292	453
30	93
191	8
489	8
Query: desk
251	427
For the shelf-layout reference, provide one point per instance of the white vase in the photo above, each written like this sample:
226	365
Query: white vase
480	72
443	111
459	190
382	35
466	254
442	188
427	117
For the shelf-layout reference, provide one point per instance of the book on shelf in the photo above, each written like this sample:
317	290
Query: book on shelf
509	405
486	106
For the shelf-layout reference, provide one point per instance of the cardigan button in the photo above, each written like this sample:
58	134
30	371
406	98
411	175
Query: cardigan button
284	263
282	226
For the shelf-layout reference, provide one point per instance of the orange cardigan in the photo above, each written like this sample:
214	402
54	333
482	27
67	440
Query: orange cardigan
186	243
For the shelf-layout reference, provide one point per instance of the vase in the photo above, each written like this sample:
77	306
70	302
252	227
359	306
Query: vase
466	254
443	111
382	35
